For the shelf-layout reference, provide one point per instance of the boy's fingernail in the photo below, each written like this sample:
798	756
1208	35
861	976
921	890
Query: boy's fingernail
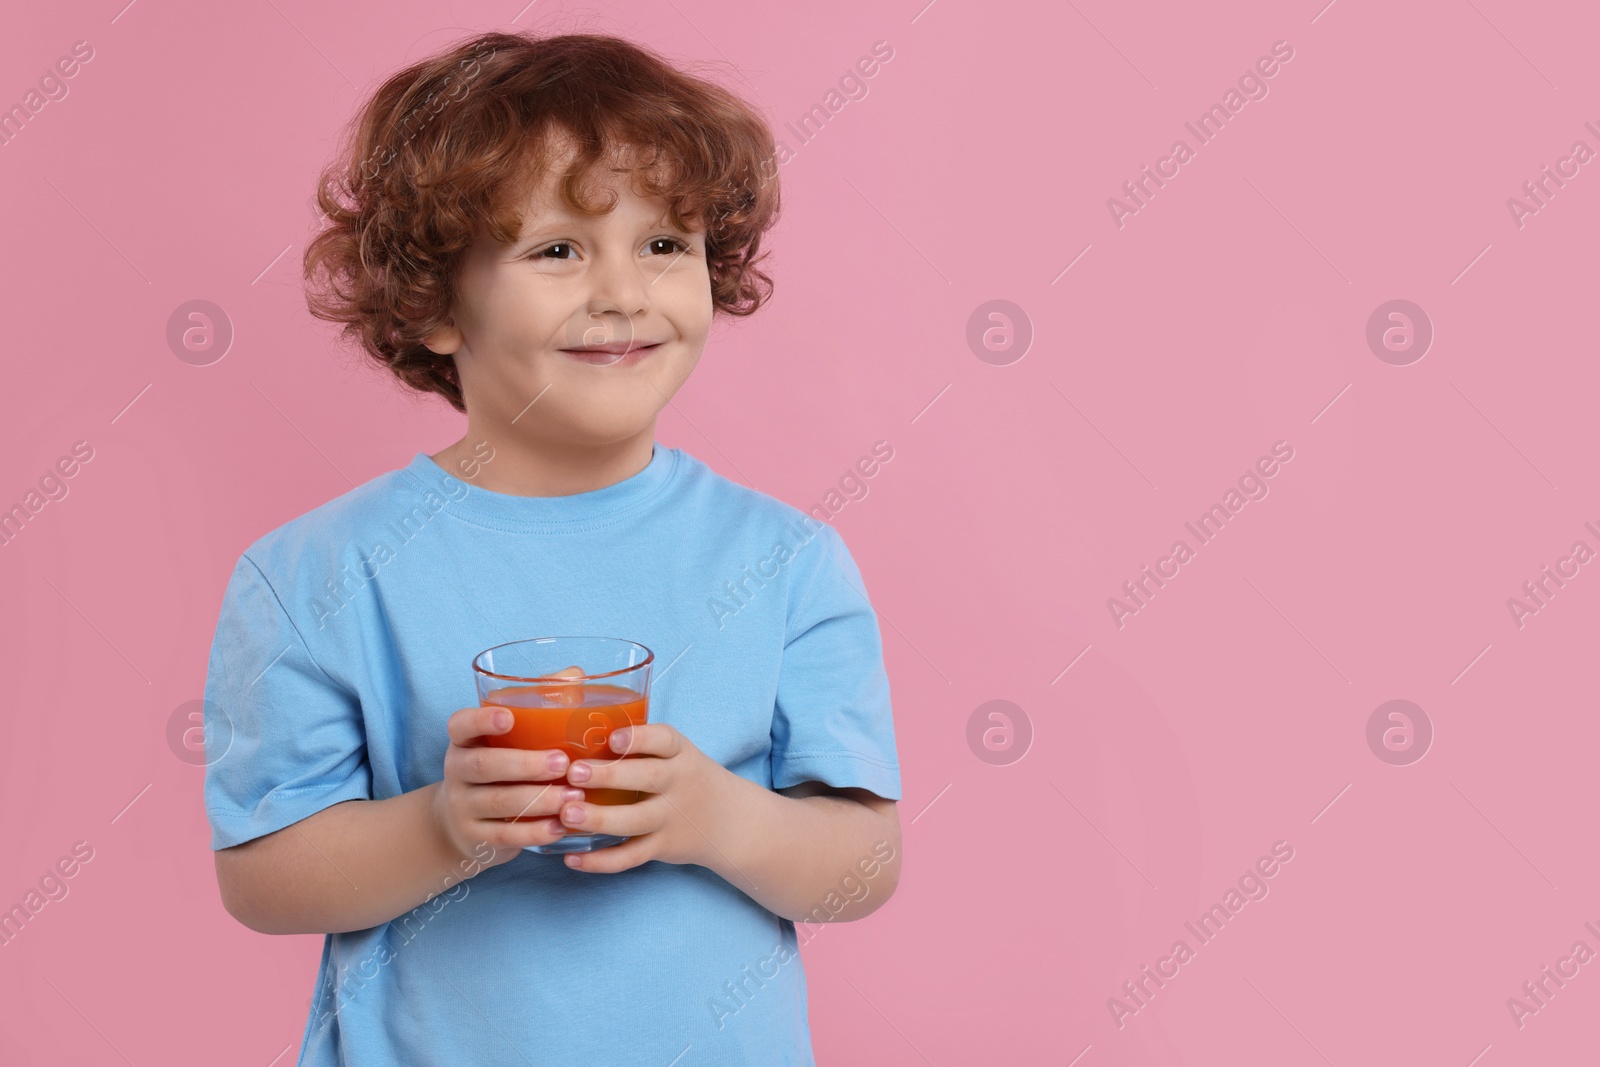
578	773
573	813
620	739
555	827
501	719
558	761
572	794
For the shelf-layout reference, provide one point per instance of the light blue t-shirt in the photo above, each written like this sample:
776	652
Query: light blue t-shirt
344	644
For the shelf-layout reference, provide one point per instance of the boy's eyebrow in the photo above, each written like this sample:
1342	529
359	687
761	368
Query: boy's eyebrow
533	224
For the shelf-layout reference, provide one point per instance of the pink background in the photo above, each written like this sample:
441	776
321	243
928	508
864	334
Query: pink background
1229	313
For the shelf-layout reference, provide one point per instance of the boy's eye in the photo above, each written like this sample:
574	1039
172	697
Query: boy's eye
544	252
673	245
667	246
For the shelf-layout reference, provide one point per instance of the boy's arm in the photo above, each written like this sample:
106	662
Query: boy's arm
351	866
798	845
787	850
360	863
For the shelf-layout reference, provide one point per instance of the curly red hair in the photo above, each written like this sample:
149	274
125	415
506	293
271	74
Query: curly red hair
459	140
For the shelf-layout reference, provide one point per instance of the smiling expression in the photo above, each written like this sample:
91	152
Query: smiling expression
580	331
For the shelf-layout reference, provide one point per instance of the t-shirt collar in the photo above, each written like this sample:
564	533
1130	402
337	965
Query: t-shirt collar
509	511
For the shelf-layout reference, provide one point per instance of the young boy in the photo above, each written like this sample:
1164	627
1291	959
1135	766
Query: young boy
541	231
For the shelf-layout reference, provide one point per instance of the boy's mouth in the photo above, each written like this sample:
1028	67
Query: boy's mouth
617	353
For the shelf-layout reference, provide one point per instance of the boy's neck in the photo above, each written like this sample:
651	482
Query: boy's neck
503	463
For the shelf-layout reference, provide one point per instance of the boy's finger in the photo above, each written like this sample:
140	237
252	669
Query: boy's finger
645	775
481	764
647	739
516	801
469	724
625	820
520	834
629	854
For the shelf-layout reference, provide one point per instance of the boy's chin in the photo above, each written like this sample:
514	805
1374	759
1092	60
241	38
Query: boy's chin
610	428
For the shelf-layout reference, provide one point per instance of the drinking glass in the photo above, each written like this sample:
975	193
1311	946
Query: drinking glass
568	693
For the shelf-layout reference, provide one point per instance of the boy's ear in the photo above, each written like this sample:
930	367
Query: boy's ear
444	341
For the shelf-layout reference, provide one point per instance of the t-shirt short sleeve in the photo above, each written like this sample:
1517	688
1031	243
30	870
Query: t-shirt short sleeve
283	739
832	722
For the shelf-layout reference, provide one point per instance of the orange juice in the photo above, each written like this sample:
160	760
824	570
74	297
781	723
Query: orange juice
578	719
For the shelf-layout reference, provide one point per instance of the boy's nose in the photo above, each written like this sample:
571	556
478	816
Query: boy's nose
616	284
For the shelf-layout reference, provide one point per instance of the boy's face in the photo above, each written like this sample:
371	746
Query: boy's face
580	331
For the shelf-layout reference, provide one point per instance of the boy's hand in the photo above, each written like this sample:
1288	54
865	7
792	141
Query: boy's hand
485	789
670	824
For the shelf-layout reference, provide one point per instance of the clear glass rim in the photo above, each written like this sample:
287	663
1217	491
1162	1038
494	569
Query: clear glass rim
649	658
